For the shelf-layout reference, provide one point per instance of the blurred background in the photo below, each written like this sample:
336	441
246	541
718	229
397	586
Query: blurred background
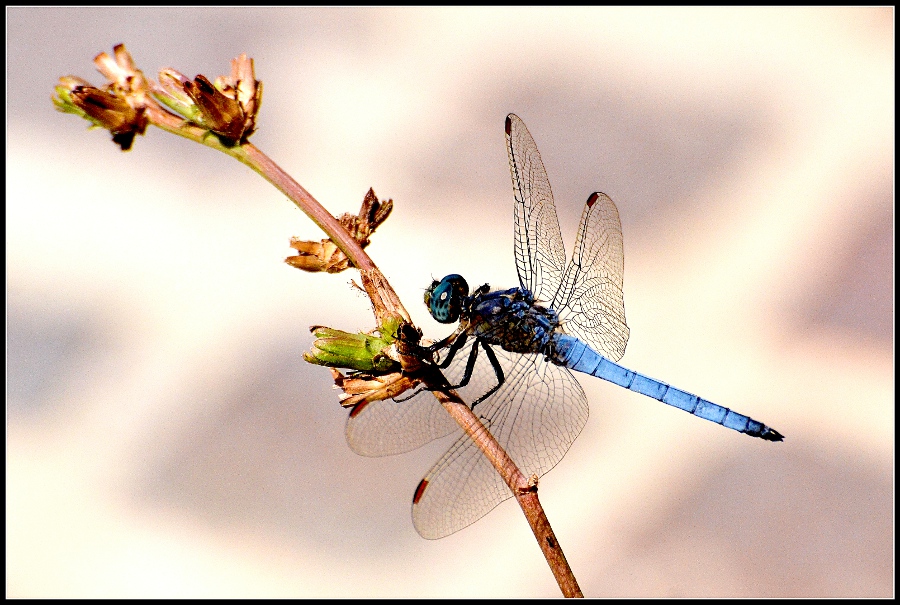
166	439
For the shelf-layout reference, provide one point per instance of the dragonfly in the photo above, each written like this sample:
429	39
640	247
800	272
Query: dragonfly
513	354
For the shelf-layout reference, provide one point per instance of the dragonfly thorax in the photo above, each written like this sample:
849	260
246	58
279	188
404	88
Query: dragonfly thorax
445	298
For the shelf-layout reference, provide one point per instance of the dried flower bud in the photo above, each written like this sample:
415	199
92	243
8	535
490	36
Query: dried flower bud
227	108
103	108
325	255
361	389
120	106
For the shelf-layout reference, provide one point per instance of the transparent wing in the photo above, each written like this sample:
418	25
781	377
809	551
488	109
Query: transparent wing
384	428
539	250
535	415
590	302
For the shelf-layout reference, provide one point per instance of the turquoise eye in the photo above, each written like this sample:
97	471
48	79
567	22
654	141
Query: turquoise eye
445	298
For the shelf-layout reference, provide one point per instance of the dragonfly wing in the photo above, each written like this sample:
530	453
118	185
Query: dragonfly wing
384	428
539	250
535	416
590	302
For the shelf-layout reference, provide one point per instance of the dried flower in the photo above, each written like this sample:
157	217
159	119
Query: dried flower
119	107
324	255
361	389
227	107
102	108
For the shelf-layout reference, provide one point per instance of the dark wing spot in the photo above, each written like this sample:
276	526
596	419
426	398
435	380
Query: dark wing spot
420	490
359	407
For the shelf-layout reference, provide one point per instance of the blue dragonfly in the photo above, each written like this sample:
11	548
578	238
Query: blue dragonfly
513	353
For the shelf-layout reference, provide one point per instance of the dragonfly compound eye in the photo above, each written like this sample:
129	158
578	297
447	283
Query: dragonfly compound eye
445	298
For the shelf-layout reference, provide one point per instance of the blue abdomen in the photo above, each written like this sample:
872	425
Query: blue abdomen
570	352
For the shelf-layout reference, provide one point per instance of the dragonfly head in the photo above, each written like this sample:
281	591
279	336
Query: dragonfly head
444	298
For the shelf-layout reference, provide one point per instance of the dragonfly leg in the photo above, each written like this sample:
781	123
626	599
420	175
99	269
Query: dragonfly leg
452	351
498	372
470	363
470	366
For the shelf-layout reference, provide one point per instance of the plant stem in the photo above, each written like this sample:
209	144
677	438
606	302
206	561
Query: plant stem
250	155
